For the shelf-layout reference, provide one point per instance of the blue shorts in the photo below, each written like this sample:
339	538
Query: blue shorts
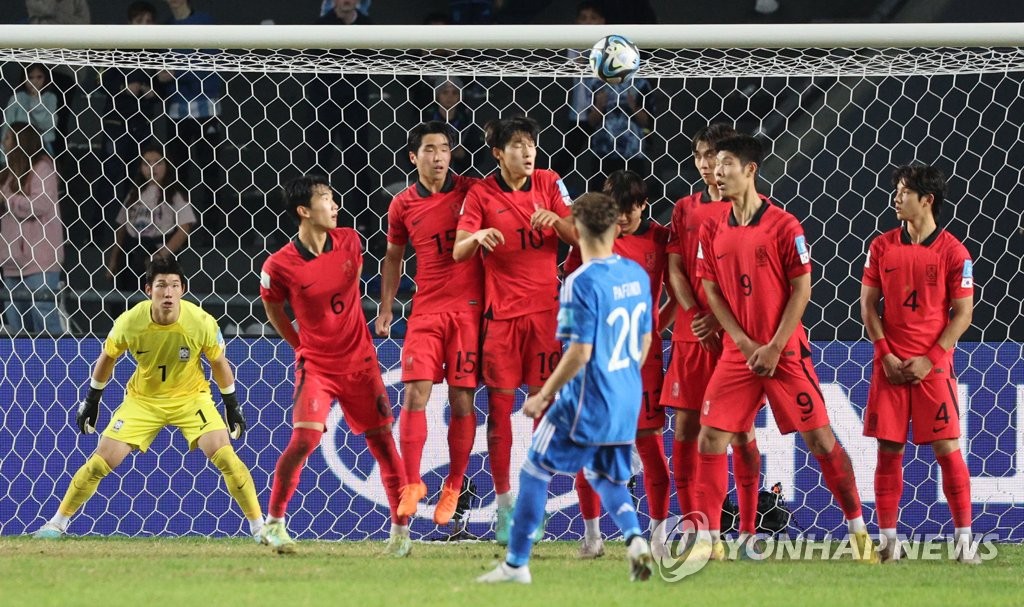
553	451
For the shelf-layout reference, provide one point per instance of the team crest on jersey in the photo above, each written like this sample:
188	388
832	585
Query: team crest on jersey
264	280
117	426
564	191
184	354
675	389
651	258
931	273
761	255
967	276
707	407
802	250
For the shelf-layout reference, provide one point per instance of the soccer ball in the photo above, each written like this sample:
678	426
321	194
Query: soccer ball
614	59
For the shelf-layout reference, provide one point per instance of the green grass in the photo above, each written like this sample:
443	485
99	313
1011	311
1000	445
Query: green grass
224	572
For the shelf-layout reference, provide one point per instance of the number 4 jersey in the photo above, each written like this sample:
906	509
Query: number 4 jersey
324	292
606	303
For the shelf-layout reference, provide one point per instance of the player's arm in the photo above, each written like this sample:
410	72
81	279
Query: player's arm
89	408
891	364
705	325
645	347
917	368
766	357
720	308
468	243
225	378
573	360
390	273
281	323
566	230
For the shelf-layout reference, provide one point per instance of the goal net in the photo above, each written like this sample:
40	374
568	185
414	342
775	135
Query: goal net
837	111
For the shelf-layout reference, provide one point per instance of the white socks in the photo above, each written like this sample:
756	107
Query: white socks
504	500
592	528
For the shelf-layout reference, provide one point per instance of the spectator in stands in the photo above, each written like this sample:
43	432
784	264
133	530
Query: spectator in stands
32	103
194	105
363	6
448	106
58	11
154	221
31	233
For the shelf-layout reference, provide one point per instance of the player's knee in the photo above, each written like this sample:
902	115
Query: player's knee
820	441
97	467
417	395
687	425
226	460
461	401
713	441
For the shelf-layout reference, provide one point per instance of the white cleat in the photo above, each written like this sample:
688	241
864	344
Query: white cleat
504	573
591	548
49	531
659	550
641	563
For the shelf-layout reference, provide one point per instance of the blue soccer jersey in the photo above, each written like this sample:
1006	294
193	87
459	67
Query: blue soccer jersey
605	303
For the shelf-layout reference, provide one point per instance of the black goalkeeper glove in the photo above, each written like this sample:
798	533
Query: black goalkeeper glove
236	421
89	411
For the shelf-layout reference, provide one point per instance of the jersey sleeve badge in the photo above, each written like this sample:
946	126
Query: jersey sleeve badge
802	250
967	275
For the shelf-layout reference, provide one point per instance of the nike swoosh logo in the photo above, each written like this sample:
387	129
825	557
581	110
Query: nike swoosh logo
204	425
244	483
720	256
503	209
458	377
416	221
304	287
887	270
141	352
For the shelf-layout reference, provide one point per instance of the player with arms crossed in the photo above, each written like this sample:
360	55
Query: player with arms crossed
317	274
756	270
442	341
166	336
516	216
605	322
697	341
922	272
642	241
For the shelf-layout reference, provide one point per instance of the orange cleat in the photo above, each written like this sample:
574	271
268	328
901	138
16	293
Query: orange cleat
446	505
411	495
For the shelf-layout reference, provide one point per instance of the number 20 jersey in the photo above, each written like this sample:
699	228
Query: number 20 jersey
324	292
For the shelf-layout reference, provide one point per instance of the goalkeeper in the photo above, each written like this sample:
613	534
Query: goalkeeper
166	336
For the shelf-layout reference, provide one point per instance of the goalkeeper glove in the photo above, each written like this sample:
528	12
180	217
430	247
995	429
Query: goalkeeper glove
89	410
236	421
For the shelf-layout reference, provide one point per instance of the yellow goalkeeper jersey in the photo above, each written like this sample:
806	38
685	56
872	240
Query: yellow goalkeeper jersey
167	355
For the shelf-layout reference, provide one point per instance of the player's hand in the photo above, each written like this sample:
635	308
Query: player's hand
704	324
489	238
764	360
747	347
535	405
543	218
712	343
89	411
383	323
893	368
236	421
916	368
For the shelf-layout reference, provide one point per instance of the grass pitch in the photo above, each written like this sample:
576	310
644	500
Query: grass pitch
225	572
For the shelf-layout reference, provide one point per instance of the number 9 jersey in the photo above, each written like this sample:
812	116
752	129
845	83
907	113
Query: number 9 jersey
606	303
325	294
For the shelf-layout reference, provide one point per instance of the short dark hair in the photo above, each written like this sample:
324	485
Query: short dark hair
163	265
711	135
434	127
627	188
500	132
31	68
923	179
299	192
596	212
140	8
592	5
746	148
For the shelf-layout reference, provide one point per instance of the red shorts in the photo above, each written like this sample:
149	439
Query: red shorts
520	350
652	414
362	397
931	406
734	395
689	371
443	347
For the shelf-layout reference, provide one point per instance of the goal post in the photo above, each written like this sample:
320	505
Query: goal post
838	106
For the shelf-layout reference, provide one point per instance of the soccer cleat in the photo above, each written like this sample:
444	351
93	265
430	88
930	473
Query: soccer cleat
891	552
503	525
276	536
411	496
49	531
505	573
703	550
863	548
538	533
641	563
659	550
446	506
399	545
591	548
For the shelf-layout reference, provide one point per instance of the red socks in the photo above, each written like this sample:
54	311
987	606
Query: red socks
684	468
499	438
590	501
412	434
392	474
289	468
651	448
956	484
838	473
461	433
711	487
746	467
888	488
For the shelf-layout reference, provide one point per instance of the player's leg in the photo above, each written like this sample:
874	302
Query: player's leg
461	435
685	458
608	472
502	375
412	435
592	544
539	353
746	467
887	419
650	445
216	445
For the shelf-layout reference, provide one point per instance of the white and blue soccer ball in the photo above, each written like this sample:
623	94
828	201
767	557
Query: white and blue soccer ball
614	59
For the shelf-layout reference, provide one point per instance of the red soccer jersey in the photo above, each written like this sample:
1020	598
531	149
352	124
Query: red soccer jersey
325	295
429	221
688	215
646	246
752	266
520	276
918	283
